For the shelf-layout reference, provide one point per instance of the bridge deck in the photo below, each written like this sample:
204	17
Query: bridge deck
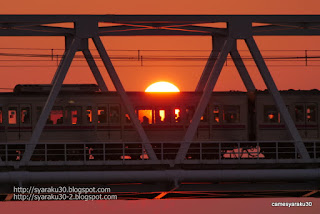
210	169
134	153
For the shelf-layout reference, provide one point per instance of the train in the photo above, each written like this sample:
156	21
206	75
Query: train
81	113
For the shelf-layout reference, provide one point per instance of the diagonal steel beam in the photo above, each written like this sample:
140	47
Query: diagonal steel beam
270	28
153	32
120	28
217	44
243	72
24	24
214	75
61	74
41	28
290	32
211	30
95	70
206	71
19	32
268	80
118	85
55	76
305	25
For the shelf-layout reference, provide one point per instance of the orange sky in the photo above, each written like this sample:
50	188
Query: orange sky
139	77
184	78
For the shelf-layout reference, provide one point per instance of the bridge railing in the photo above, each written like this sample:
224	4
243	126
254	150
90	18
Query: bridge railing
134	152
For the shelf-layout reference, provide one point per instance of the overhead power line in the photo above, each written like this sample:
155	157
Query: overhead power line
33	56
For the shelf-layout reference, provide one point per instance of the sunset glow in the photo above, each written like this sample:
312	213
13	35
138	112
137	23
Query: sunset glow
162	87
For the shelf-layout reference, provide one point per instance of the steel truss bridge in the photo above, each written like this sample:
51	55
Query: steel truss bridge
184	169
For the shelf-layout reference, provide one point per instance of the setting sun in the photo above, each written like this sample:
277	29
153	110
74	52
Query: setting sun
162	87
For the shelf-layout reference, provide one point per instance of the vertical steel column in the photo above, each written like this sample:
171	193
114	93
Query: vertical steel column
243	72
117	83
95	70
217	44
264	71
61	74
214	75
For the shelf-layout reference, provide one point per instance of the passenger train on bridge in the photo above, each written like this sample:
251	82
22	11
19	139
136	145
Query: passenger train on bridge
82	113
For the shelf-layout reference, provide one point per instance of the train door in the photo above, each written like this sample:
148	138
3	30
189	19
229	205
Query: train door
306	120
102	122
13	133
25	122
203	132
215	122
114	122
19	122
178	128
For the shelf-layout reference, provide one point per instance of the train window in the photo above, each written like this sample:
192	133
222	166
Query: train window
177	116
189	113
89	114
102	114
25	115
0	115
114	113
162	115
145	116
56	115
12	115
73	114
231	114
311	111
128	120
271	114
204	117
299	113
216	114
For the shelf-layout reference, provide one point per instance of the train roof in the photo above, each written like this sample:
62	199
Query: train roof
93	89
294	92
38	88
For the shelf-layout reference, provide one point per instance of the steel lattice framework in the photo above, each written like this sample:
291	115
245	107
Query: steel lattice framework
224	40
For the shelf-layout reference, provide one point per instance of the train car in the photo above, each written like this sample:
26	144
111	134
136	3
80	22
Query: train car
96	116
83	114
303	108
